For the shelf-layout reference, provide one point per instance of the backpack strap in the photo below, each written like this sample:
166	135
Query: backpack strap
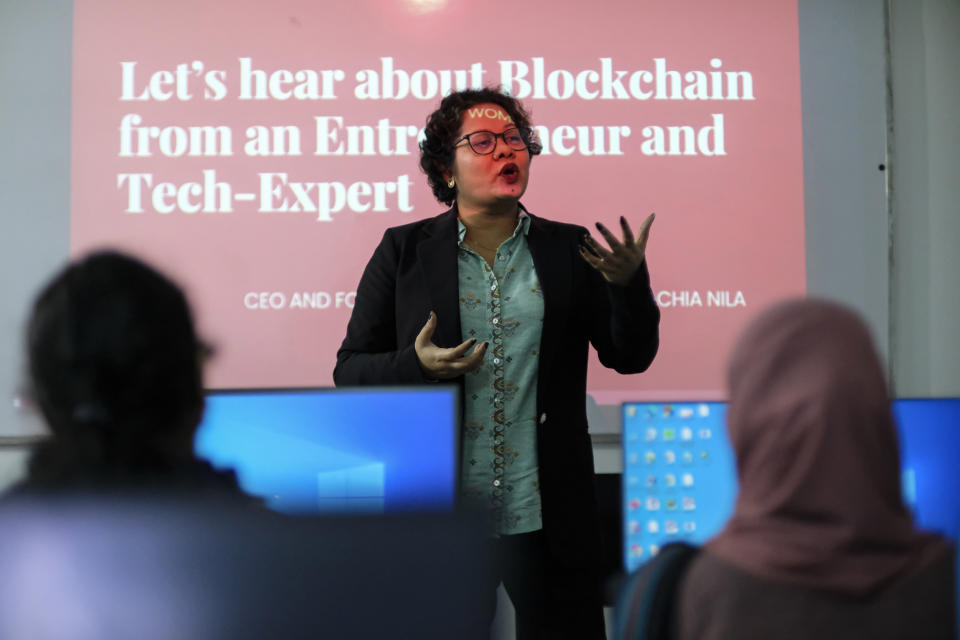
644	608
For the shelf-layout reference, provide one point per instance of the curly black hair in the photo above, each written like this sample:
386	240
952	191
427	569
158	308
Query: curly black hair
443	127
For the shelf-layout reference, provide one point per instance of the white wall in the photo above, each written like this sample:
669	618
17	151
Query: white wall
35	54
925	169
35	51
842	71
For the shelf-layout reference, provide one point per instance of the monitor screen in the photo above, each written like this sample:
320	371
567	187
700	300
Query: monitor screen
369	450
929	444
679	478
680	481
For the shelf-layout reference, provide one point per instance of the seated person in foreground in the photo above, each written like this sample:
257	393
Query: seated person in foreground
820	544
115	367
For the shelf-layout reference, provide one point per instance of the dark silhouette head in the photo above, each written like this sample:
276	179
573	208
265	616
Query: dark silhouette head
114	365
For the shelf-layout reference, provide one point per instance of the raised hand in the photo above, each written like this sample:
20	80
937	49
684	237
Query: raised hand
618	263
441	364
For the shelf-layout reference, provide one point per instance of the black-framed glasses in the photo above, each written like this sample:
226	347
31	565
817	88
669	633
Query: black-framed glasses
484	142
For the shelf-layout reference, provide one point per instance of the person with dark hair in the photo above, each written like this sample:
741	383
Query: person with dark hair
820	544
511	302
119	532
115	367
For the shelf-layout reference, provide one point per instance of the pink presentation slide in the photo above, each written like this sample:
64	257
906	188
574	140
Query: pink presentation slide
256	152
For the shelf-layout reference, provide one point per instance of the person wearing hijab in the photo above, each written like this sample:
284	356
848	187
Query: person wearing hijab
820	544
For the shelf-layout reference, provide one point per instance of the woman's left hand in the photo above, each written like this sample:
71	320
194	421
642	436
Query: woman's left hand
620	262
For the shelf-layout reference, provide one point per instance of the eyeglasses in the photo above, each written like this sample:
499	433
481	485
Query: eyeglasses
484	142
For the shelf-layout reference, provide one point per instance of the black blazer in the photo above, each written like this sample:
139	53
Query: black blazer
414	271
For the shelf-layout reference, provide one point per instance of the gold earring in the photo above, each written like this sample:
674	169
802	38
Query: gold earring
451	182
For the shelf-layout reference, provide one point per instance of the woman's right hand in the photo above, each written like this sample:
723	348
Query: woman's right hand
442	364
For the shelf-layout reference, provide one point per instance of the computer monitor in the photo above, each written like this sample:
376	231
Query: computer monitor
679	478
929	448
358	450
129	567
680	483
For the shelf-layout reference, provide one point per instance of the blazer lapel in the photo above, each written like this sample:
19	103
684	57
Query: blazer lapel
551	258
437	256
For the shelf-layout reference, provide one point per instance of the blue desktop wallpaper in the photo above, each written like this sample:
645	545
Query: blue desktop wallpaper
680	482
370	450
929	432
679	478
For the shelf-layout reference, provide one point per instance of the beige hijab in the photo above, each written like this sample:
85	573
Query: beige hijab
817	458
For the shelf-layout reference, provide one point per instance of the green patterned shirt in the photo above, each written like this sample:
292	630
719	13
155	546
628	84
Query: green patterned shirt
503	306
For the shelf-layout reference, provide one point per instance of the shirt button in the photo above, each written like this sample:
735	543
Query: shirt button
496	483
493	287
543	418
498	440
501	258
497	361
496	321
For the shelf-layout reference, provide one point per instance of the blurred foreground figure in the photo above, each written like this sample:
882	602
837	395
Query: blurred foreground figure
120	532
83	569
115	367
821	544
